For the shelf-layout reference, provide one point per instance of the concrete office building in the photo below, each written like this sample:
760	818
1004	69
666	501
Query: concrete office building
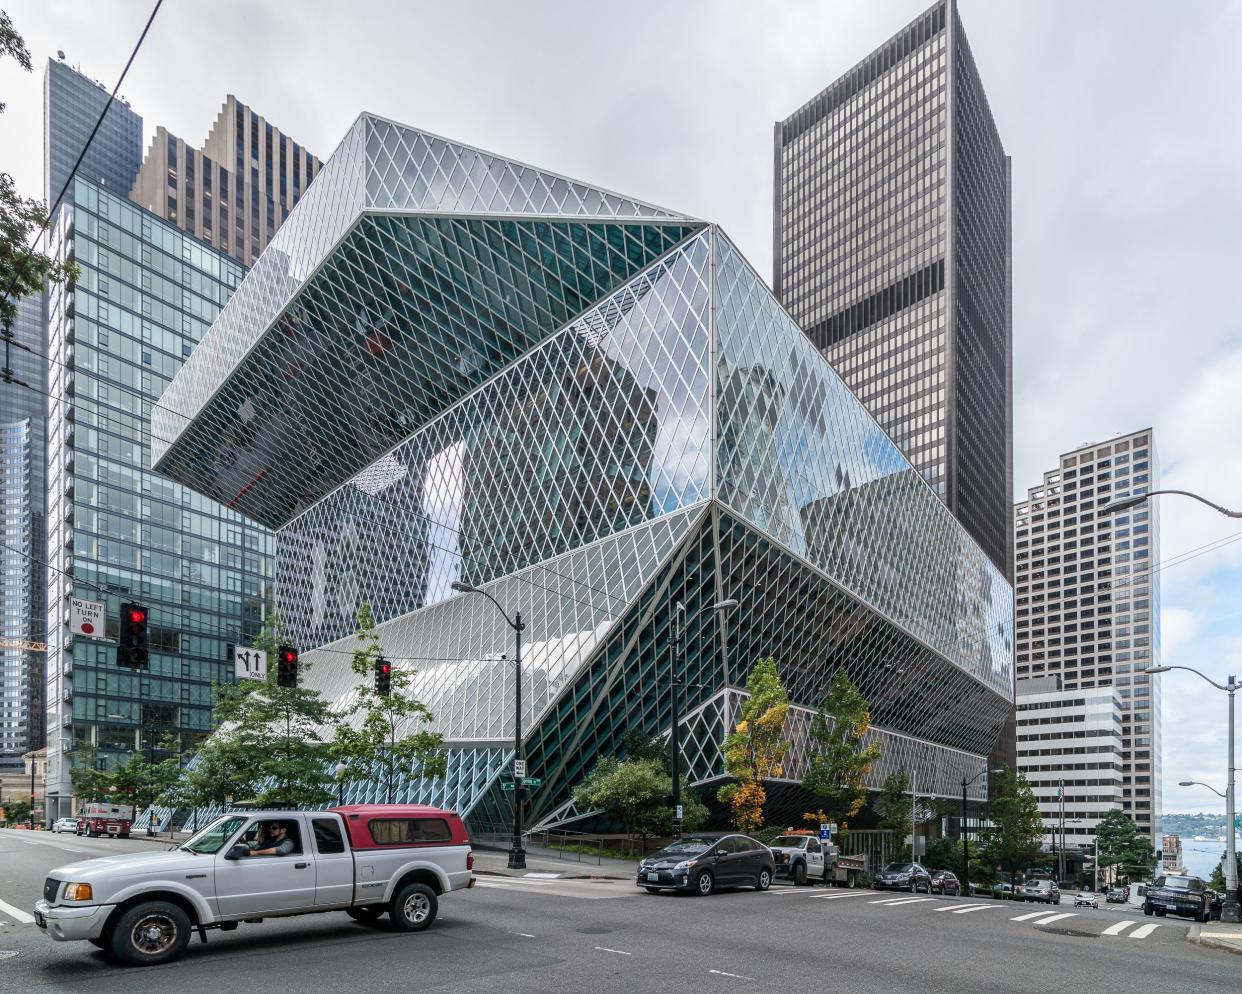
1087	597
234	192
1070	748
891	247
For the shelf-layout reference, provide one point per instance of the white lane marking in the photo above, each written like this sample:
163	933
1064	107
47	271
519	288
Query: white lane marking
21	916
890	903
792	892
1118	928
735	976
1053	918
619	952
1028	916
1143	931
524	935
545	876
966	911
854	893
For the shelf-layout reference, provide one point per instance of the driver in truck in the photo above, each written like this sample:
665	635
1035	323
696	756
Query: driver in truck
277	841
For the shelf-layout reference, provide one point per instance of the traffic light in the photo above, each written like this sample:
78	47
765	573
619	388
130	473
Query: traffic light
383	677
133	644
286	666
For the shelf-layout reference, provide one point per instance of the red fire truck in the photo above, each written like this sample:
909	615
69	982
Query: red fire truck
105	819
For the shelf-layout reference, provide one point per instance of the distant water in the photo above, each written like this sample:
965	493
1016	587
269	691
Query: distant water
1201	857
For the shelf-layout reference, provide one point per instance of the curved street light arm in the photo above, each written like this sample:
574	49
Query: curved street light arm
1202	500
509	621
1227	688
1200	783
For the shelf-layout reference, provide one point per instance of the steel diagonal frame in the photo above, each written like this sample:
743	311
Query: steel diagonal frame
676	438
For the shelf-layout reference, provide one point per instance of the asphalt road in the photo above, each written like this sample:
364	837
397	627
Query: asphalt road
575	936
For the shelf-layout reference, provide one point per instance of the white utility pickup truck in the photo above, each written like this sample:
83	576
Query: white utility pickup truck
804	859
365	860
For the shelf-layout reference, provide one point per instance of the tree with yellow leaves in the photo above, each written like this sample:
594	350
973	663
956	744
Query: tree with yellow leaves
755	750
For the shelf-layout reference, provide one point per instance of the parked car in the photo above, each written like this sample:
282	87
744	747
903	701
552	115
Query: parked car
903	876
65	825
945	882
705	862
1044	891
364	859
1086	899
1117	895
1178	894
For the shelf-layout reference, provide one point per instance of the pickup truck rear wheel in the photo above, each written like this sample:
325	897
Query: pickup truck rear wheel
413	908
367	913
150	933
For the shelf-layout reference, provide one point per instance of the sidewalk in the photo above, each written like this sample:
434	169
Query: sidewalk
1217	935
491	862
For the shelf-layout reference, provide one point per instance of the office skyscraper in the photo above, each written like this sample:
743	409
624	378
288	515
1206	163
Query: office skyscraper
150	286
1087	598
72	104
891	245
234	192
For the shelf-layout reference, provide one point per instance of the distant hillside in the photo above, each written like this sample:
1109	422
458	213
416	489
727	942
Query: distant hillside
1190	825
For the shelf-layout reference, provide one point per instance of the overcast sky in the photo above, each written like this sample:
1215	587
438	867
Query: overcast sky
1122	117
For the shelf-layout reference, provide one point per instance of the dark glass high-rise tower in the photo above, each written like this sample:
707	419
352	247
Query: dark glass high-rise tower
891	242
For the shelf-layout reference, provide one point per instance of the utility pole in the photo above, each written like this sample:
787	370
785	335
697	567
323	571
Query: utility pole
1061	843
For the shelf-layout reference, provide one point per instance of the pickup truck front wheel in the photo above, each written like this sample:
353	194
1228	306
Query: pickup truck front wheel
413	908
150	933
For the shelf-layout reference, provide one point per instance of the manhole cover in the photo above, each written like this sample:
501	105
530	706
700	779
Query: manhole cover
1071	932
594	931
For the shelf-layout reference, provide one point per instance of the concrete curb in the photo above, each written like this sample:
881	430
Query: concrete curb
521	875
1231	944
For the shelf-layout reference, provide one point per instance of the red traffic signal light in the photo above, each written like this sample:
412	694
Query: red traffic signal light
286	666
383	677
133	640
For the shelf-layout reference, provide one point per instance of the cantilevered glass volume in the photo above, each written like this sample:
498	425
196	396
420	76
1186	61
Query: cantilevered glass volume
449	366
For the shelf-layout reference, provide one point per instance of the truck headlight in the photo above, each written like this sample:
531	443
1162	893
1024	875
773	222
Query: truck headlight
78	892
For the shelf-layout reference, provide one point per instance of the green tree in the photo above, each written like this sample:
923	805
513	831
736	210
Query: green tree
90	783
893	808
639	745
1121	848
279	731
1218	882
139	781
838	769
944	854
1018	833
374	752
755	750
220	769
16	810
21	218
632	791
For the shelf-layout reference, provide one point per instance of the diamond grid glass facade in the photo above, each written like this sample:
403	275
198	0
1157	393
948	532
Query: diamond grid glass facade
656	429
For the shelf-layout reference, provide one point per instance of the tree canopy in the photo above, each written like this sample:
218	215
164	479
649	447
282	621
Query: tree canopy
1119	844
755	750
632	791
838	768
1017	836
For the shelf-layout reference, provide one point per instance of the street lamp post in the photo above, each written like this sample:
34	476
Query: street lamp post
679	652
965	834
517	851
1230	912
340	771
32	790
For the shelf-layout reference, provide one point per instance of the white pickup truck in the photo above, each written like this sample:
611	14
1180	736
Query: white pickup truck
365	860
804	859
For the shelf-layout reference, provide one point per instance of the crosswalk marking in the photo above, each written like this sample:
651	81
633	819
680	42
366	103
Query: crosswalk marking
23	917
965	907
853	893
1142	932
1118	928
890	903
522	885
1053	918
1028	916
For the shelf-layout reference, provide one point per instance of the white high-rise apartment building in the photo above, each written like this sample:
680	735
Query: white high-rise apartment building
1087	598
1070	741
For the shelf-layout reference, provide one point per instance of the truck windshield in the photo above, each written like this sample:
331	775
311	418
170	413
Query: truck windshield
212	838
791	842
1179	883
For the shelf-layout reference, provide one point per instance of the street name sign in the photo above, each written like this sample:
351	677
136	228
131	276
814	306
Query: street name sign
508	786
249	663
531	782
87	618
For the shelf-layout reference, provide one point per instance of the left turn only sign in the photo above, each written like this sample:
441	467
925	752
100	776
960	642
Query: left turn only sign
87	618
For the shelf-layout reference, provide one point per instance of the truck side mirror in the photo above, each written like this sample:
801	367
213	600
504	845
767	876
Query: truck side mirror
237	852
